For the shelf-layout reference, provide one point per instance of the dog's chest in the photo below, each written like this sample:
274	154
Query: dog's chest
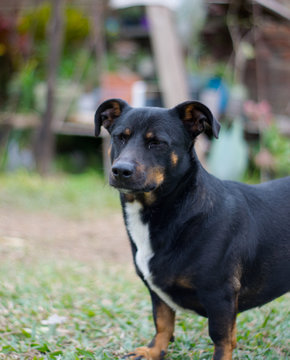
140	235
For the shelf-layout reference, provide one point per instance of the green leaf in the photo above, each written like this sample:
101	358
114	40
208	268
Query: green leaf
43	348
7	349
26	333
83	352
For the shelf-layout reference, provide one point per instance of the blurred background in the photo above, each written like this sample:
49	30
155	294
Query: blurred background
67	284
60	59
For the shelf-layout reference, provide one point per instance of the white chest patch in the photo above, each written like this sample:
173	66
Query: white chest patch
141	237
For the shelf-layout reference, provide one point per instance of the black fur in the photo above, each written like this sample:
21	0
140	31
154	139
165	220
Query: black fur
228	242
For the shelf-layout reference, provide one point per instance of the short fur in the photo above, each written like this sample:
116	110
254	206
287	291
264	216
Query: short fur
201	244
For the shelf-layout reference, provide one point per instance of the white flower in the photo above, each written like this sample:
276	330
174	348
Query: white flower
54	320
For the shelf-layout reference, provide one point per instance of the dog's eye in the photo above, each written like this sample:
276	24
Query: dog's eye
123	138
154	143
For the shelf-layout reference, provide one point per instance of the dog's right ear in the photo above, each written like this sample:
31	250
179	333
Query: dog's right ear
107	112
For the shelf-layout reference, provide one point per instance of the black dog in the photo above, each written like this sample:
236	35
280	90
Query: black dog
199	243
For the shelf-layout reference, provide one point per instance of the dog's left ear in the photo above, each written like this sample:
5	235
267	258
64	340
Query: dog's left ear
107	113
196	117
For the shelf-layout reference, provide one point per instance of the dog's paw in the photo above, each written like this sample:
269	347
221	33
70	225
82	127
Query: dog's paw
145	353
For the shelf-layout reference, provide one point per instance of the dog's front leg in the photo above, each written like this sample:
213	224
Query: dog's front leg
164	318
222	328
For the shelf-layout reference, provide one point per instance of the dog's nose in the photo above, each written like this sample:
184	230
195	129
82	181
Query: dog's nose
123	170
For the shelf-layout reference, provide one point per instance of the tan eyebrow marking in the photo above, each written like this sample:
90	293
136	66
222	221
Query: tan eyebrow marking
149	135
127	132
174	158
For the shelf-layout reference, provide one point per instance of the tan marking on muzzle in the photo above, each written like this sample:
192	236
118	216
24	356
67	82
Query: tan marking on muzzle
155	176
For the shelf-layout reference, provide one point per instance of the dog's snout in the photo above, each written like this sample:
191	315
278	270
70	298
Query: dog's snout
123	170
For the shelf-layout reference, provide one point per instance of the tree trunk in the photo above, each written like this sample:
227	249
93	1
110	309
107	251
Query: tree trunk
168	55
45	139
97	23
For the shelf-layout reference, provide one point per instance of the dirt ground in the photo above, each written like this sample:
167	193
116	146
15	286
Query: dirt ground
47	235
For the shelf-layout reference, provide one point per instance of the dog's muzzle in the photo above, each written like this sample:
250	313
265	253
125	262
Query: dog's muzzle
127	177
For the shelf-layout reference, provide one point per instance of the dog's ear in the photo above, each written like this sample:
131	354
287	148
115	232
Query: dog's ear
107	113
196	117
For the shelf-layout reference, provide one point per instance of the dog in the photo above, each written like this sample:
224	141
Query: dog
199	243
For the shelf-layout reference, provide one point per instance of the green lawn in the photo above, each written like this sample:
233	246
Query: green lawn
67	195
60	308
104	312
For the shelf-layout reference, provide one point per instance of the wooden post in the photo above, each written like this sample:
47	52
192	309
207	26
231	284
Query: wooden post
168	55
98	16
45	140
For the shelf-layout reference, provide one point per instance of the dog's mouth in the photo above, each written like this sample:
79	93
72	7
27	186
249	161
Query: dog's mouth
133	190
132	187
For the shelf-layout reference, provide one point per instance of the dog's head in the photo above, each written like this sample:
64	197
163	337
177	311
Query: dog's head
150	147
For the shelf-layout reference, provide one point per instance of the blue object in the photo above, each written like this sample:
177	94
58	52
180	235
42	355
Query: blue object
217	84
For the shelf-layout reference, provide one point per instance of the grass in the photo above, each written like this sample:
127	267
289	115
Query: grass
67	310
106	312
69	195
